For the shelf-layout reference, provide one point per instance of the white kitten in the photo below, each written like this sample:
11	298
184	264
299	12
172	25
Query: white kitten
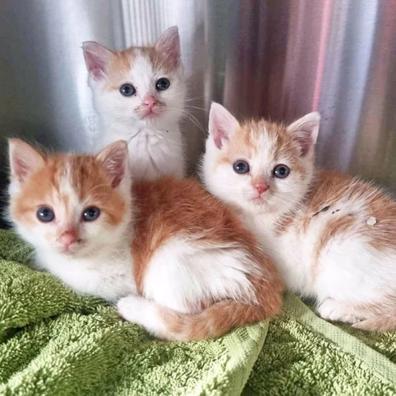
139	95
333	237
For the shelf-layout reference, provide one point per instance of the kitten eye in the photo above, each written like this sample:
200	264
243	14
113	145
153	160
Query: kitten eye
162	84
127	89
241	167
45	214
90	214
281	171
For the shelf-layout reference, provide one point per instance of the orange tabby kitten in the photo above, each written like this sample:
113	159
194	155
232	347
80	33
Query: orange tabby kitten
332	237
174	258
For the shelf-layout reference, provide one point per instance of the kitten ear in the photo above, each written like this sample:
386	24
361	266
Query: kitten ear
168	47
114	159
305	131
222	124
24	159
96	58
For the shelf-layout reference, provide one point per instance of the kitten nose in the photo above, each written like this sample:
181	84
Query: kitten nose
68	237
149	101
261	187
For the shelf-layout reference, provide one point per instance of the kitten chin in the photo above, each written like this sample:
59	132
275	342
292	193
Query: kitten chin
331	236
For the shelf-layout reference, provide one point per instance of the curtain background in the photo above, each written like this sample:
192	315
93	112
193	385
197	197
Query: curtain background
273	58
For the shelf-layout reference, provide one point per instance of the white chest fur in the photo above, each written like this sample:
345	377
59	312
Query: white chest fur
291	252
156	152
152	152
110	277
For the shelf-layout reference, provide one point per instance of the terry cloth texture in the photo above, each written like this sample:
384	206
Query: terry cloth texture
305	355
54	342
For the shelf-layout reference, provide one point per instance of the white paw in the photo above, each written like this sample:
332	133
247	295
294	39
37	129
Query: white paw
337	311
132	308
144	313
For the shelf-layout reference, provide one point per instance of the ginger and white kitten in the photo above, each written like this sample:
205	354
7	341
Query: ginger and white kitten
175	259
139	95
333	237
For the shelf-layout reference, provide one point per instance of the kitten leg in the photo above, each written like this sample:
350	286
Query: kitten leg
340	311
383	322
373	317
380	316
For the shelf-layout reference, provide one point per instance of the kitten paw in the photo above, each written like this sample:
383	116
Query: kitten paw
132	308
337	311
144	313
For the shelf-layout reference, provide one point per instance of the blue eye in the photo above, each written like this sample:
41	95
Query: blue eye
162	84
90	214
241	167
281	171
127	89
45	214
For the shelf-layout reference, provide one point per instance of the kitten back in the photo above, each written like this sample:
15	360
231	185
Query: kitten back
169	207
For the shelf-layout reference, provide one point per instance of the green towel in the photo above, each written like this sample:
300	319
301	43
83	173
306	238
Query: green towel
54	342
305	355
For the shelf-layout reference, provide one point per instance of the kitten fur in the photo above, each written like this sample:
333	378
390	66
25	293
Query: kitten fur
333	237
149	119
173	258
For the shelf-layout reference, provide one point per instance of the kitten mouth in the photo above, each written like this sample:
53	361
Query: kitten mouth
151	112
258	200
70	250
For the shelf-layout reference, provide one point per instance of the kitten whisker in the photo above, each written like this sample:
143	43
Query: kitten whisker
195	121
194	107
189	116
196	98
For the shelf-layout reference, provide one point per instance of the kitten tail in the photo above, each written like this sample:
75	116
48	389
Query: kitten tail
218	319
213	321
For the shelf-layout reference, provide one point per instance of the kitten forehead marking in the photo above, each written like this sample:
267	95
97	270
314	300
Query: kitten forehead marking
264	144
141	62
67	194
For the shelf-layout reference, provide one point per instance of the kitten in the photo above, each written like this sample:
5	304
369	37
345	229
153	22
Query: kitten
139	95
174	258
332	237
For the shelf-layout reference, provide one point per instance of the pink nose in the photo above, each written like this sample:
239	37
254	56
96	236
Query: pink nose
68	238
149	101
261	187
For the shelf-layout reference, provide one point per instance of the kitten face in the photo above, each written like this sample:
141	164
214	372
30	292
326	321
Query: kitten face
138	84
259	166
70	205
